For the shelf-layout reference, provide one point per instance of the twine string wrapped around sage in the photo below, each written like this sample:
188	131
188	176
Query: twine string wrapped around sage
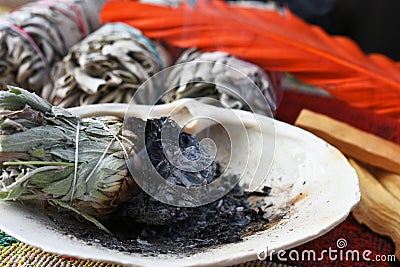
37	35
216	75
22	62
39	157
107	66
48	154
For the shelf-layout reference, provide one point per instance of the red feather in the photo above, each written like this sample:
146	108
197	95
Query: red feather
274	41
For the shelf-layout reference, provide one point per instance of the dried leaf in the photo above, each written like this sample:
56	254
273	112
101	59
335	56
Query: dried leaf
107	66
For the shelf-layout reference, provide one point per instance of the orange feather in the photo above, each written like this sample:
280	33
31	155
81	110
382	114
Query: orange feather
276	42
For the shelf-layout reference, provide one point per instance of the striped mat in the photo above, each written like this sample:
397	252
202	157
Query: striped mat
17	254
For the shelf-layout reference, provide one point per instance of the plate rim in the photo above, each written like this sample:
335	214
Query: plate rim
280	127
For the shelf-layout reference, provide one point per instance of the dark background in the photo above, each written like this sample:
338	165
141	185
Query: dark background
374	25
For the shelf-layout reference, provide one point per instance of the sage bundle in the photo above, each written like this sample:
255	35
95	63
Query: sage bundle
107	66
233	82
35	36
21	61
48	154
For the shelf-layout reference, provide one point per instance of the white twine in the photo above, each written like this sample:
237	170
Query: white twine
78	126
107	148
99	161
114	135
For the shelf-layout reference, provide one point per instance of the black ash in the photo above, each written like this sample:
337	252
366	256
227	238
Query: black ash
147	226
160	135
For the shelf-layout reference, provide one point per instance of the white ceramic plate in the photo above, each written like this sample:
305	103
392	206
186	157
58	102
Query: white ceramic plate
302	164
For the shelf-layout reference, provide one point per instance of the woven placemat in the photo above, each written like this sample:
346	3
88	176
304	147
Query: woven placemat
17	254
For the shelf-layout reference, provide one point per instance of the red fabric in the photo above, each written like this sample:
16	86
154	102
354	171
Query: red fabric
358	237
381	125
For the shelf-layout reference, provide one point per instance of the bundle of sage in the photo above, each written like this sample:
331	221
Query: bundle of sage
21	61
233	82
48	154
107	66
35	36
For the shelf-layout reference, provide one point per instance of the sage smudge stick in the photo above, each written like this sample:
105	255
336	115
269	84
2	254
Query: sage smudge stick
107	66
216	75
35	36
48	154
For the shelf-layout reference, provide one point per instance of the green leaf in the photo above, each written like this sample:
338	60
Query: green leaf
39	137
60	187
43	179
39	153
16	192
17	98
14	90
98	195
26	123
81	213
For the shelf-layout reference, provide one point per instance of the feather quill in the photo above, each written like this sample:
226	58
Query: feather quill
276	41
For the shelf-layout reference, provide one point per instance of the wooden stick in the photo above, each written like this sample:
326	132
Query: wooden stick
378	209
14	3
351	141
390	181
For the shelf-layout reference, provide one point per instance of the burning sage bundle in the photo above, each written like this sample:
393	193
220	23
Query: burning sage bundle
48	154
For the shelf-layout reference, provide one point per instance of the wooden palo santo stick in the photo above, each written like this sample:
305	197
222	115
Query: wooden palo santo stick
390	181
378	209
351	141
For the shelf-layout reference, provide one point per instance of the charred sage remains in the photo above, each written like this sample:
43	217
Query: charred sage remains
79	167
